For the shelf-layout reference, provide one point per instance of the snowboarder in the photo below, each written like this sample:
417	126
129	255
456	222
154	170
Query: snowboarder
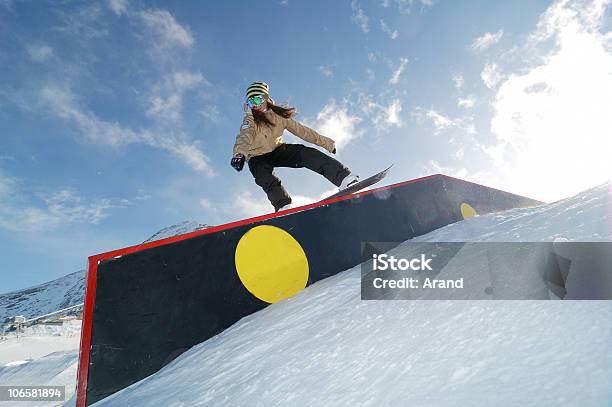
260	143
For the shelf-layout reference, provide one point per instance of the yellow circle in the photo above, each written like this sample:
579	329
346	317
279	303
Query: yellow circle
271	263
467	211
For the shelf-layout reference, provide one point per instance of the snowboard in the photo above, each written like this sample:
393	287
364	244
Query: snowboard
364	183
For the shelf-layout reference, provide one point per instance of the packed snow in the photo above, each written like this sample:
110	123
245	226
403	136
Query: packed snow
326	346
39	340
43	355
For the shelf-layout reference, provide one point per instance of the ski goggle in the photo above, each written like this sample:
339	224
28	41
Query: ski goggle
256	101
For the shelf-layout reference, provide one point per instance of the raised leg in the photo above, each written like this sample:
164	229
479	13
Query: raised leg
298	156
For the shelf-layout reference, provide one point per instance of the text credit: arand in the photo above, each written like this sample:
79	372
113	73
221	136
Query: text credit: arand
384	262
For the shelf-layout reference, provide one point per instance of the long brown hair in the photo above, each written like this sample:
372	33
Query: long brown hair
285	112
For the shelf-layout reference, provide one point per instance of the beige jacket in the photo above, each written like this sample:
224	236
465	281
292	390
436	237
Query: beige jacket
254	140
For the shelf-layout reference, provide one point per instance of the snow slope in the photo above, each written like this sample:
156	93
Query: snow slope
39	340
327	347
43	356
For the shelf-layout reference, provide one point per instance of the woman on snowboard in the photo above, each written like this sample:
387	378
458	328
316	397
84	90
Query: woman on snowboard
260	143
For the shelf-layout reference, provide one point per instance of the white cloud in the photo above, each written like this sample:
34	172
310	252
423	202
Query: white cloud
336	122
87	22
395	77
284	2
66	206
165	33
165	108
458	81
486	40
166	101
460	152
359	17
433	167
190	152
552	119
212	113
372	57
8	185
247	205
119	7
163	103
405	6
370	74
185	80
20	212
393	34
63	104
392	113
169	30
466	103
443	123
205	203
39	52
440	122
491	75
326	70
459	171
382	116
143	196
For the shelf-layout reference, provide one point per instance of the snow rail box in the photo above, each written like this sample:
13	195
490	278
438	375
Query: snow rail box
146	304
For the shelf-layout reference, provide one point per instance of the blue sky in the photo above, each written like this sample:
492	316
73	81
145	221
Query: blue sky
117	118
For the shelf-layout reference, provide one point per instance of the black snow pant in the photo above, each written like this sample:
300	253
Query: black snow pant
293	156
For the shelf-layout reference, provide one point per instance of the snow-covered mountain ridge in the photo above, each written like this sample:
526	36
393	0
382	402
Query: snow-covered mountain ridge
44	298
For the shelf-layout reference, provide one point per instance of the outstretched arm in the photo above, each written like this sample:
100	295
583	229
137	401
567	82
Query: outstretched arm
308	134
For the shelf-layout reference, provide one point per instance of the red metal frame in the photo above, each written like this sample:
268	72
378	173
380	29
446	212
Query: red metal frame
90	290
90	295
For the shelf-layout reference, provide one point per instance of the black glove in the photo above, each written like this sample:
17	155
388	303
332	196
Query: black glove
334	151
238	162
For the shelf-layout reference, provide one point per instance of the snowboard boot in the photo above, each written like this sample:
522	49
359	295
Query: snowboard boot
282	205
282	208
348	181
